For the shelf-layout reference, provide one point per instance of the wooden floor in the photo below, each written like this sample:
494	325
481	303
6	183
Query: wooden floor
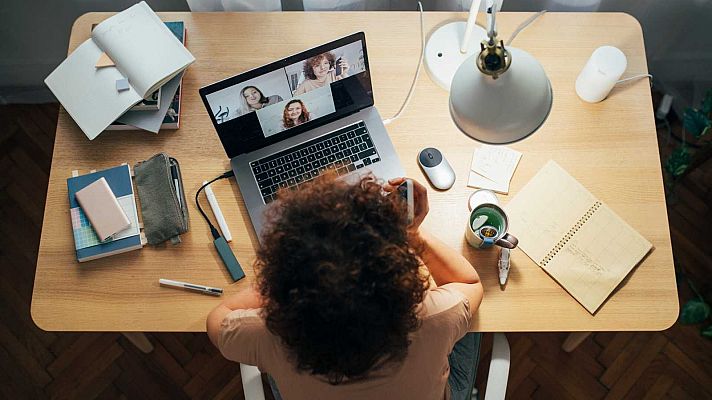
676	363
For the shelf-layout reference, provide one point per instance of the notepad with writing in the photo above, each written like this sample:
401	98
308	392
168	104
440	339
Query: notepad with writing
578	240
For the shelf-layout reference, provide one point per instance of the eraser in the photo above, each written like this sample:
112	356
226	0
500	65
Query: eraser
122	84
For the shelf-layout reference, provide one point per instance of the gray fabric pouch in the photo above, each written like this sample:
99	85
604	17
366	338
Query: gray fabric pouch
165	216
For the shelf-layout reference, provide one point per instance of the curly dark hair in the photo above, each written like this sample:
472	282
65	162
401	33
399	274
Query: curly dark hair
340	278
311	62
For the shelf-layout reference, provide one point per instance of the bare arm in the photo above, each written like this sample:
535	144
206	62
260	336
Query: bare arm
450	269
243	300
447	266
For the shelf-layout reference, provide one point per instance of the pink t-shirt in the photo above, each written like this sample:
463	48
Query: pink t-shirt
423	374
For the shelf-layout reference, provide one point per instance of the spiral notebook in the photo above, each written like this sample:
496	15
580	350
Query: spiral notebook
578	240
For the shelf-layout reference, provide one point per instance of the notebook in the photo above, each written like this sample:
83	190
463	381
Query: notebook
578	240
168	115
145	52
87	244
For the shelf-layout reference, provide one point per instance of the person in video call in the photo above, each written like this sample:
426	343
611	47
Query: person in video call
252	99
353	302
320	71
295	113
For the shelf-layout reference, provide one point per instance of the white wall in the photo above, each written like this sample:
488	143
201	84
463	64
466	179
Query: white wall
678	35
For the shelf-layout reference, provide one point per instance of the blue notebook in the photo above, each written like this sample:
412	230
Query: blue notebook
87	244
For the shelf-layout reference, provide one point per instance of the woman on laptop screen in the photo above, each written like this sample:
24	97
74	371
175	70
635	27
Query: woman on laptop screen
252	99
295	113
322	70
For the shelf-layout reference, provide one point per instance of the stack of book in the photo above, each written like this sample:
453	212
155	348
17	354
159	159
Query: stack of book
126	76
162	109
87	243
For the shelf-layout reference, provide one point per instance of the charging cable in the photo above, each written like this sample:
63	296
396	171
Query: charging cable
213	230
523	25
224	251
417	71
637	77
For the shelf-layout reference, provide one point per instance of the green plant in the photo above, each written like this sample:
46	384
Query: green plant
698	123
696	311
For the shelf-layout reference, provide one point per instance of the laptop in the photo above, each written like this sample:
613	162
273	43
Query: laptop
286	123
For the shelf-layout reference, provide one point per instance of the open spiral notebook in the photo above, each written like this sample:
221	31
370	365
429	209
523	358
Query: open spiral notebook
578	240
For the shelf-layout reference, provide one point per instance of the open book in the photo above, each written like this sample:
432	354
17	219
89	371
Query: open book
144	51
573	236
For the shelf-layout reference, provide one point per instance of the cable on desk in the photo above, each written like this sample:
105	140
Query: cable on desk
524	25
637	77
417	71
213	230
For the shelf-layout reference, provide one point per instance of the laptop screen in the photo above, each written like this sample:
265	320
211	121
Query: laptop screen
289	96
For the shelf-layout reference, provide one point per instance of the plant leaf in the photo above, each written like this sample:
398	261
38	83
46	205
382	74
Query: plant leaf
707	332
678	161
694	312
695	122
707	102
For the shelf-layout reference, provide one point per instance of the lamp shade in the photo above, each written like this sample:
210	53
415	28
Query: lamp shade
505	109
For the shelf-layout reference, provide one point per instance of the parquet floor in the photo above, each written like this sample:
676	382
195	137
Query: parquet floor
675	364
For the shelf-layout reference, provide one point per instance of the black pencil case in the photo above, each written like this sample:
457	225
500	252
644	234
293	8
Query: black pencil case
163	205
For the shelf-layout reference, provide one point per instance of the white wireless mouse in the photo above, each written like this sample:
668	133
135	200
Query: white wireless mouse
436	168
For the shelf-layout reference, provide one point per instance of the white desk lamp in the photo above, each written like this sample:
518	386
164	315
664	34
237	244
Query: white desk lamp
450	45
499	95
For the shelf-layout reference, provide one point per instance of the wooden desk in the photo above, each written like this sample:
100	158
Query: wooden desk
609	147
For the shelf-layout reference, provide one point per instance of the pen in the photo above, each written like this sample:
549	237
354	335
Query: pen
218	213
174	174
503	266
184	285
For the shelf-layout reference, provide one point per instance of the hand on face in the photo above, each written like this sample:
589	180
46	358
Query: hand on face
420	200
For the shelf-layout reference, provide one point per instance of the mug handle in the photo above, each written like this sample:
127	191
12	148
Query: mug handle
508	241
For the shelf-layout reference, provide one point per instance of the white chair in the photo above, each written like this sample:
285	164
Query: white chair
496	377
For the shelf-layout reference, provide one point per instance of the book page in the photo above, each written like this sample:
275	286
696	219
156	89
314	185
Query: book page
152	120
545	209
597	258
142	47
87	93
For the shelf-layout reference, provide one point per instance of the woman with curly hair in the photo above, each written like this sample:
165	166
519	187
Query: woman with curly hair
320	71
352	302
295	113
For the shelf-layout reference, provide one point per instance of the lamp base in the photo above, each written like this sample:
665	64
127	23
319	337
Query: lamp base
442	51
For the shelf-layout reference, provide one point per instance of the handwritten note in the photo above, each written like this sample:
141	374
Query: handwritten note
578	240
493	167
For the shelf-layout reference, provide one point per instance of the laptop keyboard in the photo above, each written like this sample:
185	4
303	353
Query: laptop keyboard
343	151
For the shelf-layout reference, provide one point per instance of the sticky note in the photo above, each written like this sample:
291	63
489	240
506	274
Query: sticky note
104	61
492	168
122	84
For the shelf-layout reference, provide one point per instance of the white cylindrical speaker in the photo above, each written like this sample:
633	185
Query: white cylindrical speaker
602	71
